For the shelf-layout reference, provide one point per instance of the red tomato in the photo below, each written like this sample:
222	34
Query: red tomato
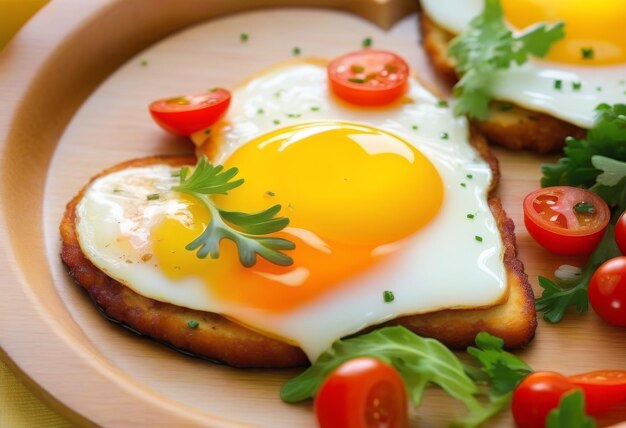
369	77
536	396
620	233
603	389
362	393
190	113
566	220
607	291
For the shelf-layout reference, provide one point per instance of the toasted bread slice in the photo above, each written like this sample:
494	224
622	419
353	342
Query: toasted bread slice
218	338
508	125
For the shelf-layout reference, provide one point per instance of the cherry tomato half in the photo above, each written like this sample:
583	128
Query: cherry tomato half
362	393
369	77
607	291
566	220
187	114
536	396
603	389
620	233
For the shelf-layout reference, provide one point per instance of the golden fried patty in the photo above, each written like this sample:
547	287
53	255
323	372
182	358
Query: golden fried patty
508	125
221	339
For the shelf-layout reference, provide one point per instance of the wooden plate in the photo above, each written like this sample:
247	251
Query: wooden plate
75	84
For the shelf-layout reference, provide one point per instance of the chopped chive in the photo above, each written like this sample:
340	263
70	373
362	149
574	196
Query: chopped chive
143	63
558	84
276	122
315	108
388	296
193	324
260	111
444	135
415	127
367	42
585	208
293	115
117	190
506	107
470	176
471	216
296	51
278	93
355	80
587	53
478	238
152	197
576	85
244	37
357	69
442	103
463	185
270	193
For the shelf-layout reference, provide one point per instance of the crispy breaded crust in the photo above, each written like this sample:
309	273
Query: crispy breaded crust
220	339
508	125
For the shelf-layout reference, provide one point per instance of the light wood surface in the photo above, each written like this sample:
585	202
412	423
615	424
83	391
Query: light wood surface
58	127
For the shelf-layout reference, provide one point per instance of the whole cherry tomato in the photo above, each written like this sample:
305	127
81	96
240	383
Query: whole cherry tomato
362	393
566	220
536	396
607	291
369	77
188	114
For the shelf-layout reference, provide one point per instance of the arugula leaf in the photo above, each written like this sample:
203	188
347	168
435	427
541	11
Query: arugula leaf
504	370
488	46
570	413
243	229
598	163
421	361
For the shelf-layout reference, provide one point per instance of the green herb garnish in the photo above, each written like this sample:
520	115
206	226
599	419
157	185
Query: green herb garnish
367	42
444	135
506	107
570	413
193	324
388	296
587	53
470	176
597	163
576	86
247	231
420	362
260	111
356	80
478	238
296	51
488	46
471	216
442	103
463	184
558	84
414	127
357	68
143	63
315	108
153	197
243	37
585	208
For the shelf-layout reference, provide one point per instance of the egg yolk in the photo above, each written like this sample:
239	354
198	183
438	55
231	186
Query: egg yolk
594	31
351	192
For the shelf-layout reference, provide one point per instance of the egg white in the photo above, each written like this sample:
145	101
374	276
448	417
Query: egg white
532	85
442	266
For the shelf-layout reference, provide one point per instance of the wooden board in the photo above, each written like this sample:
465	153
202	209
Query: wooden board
58	127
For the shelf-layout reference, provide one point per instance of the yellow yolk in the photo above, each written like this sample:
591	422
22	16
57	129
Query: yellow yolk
351	193
598	26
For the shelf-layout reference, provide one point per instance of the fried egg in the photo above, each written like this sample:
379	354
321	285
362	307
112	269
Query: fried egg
382	202
586	68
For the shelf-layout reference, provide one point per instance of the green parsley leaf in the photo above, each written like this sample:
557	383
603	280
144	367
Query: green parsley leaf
388	296
488	46
570	413
245	230
296	51
586	53
367	42
243	37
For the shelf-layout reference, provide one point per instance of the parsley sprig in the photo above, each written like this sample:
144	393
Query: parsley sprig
570	413
488	46
245	230
598	163
422	361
